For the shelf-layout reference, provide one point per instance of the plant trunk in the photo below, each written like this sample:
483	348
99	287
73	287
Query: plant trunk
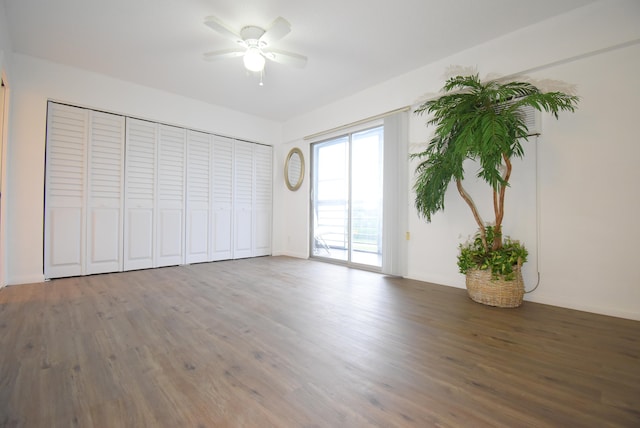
498	203
474	210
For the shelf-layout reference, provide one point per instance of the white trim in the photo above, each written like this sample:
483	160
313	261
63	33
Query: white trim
365	121
27	279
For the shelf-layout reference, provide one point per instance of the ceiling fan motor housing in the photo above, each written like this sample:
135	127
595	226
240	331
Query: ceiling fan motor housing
251	36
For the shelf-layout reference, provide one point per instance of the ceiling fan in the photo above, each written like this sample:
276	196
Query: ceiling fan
255	44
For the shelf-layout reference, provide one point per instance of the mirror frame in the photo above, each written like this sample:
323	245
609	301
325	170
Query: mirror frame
294	186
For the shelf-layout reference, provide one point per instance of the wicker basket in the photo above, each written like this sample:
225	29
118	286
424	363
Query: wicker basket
495	292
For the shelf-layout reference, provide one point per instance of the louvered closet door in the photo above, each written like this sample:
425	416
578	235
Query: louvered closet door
263	200
222	219
243	200
105	193
65	188
198	216
140	187
171	196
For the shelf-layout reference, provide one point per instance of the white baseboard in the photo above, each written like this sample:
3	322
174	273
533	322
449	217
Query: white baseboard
291	254
612	312
25	279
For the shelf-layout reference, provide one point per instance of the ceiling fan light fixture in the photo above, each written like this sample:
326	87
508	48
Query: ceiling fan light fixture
256	44
253	60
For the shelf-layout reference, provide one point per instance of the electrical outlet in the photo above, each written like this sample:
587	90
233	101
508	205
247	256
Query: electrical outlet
407	236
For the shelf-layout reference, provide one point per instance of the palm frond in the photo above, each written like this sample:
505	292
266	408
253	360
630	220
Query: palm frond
476	120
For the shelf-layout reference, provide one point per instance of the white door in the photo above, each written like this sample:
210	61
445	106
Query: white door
105	193
125	194
65	177
140	186
222	197
263	200
198	214
243	189
170	203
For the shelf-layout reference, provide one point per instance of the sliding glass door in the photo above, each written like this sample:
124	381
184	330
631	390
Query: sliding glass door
346	203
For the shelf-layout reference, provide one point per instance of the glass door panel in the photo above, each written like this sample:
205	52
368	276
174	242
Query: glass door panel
347	198
331	199
366	197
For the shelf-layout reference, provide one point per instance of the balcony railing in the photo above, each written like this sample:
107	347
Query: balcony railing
331	228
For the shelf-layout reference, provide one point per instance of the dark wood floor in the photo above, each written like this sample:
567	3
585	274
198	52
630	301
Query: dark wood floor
294	343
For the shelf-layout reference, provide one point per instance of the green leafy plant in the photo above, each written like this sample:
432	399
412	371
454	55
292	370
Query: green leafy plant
501	262
483	122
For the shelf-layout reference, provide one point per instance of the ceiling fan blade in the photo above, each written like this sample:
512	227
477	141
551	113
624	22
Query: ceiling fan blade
223	54
216	25
286	58
279	28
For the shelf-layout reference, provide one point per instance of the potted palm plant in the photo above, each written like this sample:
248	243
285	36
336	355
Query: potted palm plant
482	121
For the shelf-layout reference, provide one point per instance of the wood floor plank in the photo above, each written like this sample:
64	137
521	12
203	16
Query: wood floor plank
282	342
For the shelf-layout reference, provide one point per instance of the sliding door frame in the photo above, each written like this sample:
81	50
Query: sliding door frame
312	198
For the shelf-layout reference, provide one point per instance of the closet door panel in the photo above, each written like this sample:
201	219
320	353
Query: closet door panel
222	195
199	186
243	189
140	244
65	191
243	235
170	197
104	240
170	234
140	189
223	236
105	193
66	240
197	235
263	200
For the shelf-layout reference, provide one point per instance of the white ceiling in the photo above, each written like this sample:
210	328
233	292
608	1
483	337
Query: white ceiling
351	44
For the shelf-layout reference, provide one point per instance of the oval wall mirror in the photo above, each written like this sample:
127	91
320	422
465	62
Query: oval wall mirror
294	169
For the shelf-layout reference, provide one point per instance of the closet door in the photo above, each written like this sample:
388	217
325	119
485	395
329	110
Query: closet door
65	188
222	197
140	189
170	197
243	196
105	193
199	184
262	201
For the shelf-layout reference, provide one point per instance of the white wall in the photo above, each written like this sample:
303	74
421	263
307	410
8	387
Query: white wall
584	180
37	81
291	209
5	41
